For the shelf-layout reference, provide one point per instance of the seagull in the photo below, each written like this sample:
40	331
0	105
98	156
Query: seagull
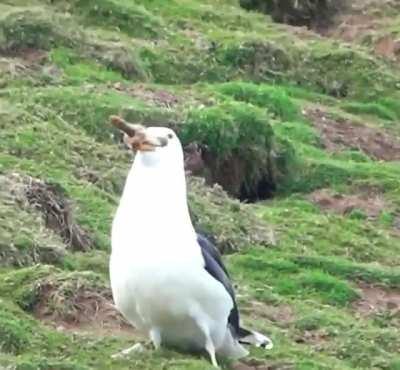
167	280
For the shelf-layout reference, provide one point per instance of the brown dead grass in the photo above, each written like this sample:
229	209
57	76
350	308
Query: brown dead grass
57	213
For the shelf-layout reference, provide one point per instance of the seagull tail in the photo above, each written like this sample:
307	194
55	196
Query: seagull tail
254	338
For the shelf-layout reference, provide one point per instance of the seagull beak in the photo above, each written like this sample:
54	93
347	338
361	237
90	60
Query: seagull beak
137	137
149	143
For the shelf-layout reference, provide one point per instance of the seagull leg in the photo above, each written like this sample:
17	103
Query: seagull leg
155	337
136	348
211	351
209	345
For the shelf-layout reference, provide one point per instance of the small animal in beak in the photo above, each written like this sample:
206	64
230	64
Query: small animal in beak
137	137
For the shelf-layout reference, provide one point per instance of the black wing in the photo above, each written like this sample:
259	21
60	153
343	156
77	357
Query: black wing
215	267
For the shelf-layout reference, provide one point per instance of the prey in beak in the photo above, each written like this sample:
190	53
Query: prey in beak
137	137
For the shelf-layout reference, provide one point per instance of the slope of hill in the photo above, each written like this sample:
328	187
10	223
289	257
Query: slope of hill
304	127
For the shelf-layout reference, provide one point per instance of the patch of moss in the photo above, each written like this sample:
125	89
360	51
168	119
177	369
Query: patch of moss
331	289
90	109
78	70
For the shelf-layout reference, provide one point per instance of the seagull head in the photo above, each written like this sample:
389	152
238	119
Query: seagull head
154	146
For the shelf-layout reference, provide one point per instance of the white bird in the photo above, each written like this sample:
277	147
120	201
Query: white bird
168	281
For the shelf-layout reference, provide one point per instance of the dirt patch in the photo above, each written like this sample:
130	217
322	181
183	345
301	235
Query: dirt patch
339	134
24	62
282	315
352	27
56	209
161	98
370	203
28	55
388	47
366	22
396	224
315	338
377	300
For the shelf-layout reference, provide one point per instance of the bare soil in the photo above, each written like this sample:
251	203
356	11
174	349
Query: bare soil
282	315
376	300
161	98
370	202
338	134
366	22
253	364
317	339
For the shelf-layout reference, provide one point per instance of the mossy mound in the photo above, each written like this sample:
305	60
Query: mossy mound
238	143
26	28
228	221
126	16
69	298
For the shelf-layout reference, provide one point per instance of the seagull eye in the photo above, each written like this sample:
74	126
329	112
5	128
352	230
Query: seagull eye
170	136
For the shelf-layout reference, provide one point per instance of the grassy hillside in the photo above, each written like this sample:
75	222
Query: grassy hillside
306	125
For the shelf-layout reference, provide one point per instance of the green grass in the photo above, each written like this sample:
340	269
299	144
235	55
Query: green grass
78	71
374	109
275	99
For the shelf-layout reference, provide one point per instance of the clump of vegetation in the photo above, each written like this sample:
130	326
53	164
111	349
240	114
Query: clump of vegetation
238	141
15	333
258	60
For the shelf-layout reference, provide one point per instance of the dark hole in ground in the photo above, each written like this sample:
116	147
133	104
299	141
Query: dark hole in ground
317	14
230	175
264	189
